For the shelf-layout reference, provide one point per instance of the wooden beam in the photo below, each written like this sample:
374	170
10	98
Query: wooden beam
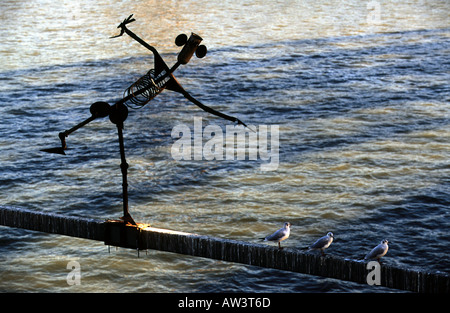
52	223
139	237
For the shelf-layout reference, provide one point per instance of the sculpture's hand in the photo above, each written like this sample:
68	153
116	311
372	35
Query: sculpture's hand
126	21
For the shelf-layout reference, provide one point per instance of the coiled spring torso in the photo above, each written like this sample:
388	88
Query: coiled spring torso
145	89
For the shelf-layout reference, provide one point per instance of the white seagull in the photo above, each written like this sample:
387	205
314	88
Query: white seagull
322	243
280	235
378	252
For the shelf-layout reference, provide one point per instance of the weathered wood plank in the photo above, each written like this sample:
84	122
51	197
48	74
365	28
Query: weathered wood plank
52	223
116	233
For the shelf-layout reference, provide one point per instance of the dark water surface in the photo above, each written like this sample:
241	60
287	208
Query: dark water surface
363	115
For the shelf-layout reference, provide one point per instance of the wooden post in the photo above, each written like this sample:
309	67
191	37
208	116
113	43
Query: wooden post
262	255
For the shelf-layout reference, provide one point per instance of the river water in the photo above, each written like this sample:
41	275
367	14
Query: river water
359	92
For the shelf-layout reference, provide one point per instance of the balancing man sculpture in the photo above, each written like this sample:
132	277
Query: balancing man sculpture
140	93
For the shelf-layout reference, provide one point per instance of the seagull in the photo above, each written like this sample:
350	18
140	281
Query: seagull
322	243
280	235
379	251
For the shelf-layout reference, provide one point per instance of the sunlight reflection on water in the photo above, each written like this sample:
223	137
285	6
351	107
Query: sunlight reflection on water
364	140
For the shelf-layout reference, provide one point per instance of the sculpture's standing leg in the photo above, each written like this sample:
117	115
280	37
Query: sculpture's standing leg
124	167
118	115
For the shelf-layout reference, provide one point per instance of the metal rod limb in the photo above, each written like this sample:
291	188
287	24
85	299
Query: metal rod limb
98	109
78	126
159	62
209	110
124	167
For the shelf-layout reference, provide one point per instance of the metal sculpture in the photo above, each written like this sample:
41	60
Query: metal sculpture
140	93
